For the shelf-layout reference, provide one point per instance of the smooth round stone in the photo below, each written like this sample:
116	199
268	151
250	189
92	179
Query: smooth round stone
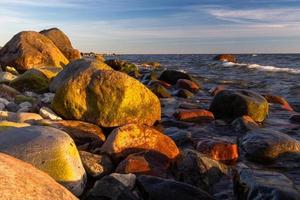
47	113
12	107
25	104
48	149
2	106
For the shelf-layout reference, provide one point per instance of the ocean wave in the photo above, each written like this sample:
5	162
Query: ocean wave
263	67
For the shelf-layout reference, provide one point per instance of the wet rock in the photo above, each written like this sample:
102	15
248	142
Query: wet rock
47	113
30	49
96	165
135	138
48	149
279	100
74	68
244	124
148	163
215	90
218	149
2	106
6	77
11	70
179	136
8	92
124	66
157	188
196	169
62	42
162	83
172	76
110	187
4	101
231	104
226	58
22	98
295	118
195	115
188	85
151	65
190	106
36	80
264	145
106	98
183	93
12	107
20	180
47	97
260	184
160	91
25	104
80	132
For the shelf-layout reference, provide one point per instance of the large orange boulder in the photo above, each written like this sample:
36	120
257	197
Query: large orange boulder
29	49
62	42
134	138
20	180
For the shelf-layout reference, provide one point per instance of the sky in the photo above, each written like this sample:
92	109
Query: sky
161	26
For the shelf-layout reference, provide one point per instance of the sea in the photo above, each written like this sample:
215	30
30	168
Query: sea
275	74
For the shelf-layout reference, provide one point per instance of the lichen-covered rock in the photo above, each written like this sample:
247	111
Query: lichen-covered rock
106	98
264	145
29	49
36	79
124	66
231	104
135	138
20	180
77	67
49	150
62	42
160	91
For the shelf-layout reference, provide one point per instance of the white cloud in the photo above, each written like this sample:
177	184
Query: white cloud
41	3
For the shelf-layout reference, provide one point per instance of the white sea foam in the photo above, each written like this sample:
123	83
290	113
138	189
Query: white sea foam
263	67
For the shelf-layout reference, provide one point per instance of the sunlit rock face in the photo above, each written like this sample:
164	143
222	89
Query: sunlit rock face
135	138
48	149
226	58
106	98
60	39
20	180
29	49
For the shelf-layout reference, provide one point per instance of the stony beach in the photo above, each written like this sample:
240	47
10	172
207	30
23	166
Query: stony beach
85	126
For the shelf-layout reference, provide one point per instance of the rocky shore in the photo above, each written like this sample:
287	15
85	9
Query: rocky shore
90	128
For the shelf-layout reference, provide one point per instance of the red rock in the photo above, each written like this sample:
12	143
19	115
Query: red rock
226	58
163	83
148	163
194	115
279	100
218	149
188	85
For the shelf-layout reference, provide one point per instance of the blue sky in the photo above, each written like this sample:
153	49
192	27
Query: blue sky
161	26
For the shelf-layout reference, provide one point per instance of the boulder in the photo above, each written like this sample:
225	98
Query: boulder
226	58
160	91
279	100
155	188
106	98
48	149
194	115
231	104
147	162
188	85
36	79
196	169
124	66
264	145
96	165
218	149
261	184
74	68
20	180
135	138
29	49
80	132
4	125
172	76
62	42
111	187
19	117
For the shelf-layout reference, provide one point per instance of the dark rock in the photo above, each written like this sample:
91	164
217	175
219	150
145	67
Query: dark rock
183	93
264	145
295	118
172	76
157	189
12	107
260	184
244	124
160	91
231	104
188	85
279	100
